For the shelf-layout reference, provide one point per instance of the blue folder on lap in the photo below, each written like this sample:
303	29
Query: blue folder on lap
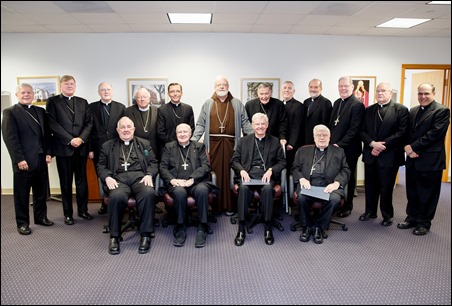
316	192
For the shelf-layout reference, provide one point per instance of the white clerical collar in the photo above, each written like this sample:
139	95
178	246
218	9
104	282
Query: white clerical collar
260	139
143	109
126	143
175	104
105	103
383	104
184	145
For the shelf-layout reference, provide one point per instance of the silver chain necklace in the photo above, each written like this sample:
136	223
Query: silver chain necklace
184	159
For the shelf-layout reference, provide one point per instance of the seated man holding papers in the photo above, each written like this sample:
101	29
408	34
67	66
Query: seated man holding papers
320	165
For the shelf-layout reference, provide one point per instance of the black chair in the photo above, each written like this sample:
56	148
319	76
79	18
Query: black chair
133	219
280	195
316	207
191	218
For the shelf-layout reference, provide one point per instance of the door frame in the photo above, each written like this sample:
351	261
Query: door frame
445	100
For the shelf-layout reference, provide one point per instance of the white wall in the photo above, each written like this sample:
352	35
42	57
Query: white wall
194	59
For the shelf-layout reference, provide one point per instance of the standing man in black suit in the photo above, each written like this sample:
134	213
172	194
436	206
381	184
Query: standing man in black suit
257	156
71	122
185	170
321	165
26	134
384	135
295	122
317	110
127	166
345	126
106	114
426	159
172	114
144	116
273	108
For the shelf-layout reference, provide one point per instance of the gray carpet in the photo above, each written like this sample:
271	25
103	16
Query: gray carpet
368	264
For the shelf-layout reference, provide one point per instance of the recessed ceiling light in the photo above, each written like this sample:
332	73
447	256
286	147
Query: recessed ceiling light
189	18
404	23
439	2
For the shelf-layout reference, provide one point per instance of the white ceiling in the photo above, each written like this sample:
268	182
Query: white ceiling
281	17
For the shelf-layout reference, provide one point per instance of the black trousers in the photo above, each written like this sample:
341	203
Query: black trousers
23	182
246	194
199	191
129	183
68	167
323	217
379	183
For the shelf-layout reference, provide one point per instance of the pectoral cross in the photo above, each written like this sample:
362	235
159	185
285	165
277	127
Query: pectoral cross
125	166
222	128
336	121
185	165
312	170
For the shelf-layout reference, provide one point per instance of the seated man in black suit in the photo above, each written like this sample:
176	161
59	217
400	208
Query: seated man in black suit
185	170
257	156
321	165
127	165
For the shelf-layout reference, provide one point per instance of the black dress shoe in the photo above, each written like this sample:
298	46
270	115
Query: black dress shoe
406	225
240	238
68	220
145	245
420	231
318	235
102	210
305	234
45	222
85	216
343	214
367	217
179	237
24	230
386	222
268	238
200	240
113	247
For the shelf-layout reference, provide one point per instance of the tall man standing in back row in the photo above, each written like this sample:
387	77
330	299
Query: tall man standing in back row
345	125
71	122
426	159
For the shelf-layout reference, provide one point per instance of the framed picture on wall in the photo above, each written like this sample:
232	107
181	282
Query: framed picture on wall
43	87
364	89
156	87
249	87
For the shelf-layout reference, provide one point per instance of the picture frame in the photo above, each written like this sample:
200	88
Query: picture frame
156	86
364	88
249	87
44	87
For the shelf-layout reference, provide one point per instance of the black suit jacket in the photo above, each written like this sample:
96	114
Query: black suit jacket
295	118
273	155
392	131
171	160
427	137
22	135
109	158
319	112
346	134
65	126
100	134
167	121
277	118
135	115
336	168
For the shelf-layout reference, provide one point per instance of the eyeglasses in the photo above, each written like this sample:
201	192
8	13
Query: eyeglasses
142	97
382	91
321	135
423	94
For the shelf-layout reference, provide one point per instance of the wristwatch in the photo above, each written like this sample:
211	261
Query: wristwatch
270	169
